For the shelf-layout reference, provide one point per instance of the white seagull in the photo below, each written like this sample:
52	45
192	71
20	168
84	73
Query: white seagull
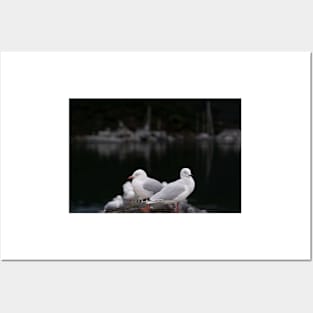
115	203
128	191
144	186
178	190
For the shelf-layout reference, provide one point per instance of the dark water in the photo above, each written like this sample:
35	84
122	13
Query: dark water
98	171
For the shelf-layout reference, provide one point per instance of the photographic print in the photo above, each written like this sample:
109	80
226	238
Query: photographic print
155	155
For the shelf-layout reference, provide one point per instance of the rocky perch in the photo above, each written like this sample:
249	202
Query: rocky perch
135	206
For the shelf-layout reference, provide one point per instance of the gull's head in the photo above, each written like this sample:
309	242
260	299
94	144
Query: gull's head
185	172
138	173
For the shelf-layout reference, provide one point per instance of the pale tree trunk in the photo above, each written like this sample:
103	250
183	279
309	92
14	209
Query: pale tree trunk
209	118
148	121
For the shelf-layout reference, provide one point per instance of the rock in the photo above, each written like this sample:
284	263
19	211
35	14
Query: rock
203	136
229	137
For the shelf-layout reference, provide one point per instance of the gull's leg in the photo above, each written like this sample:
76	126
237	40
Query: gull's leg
146	209
176	208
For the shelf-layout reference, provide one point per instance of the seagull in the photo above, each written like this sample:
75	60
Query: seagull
116	203
128	190
144	186
178	190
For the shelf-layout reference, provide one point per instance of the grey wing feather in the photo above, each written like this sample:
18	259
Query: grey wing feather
169	192
152	185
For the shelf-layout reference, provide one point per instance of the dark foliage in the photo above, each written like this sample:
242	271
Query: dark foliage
88	116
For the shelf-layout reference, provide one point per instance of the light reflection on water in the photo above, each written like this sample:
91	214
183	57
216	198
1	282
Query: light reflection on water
98	171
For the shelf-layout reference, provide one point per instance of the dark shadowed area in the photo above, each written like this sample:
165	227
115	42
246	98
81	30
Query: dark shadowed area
110	138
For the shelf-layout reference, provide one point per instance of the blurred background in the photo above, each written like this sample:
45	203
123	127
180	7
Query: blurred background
110	138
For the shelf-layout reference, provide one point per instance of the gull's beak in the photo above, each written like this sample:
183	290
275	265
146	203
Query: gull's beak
130	177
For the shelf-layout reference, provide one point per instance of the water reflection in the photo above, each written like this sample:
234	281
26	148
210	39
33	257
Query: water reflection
98	171
122	151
